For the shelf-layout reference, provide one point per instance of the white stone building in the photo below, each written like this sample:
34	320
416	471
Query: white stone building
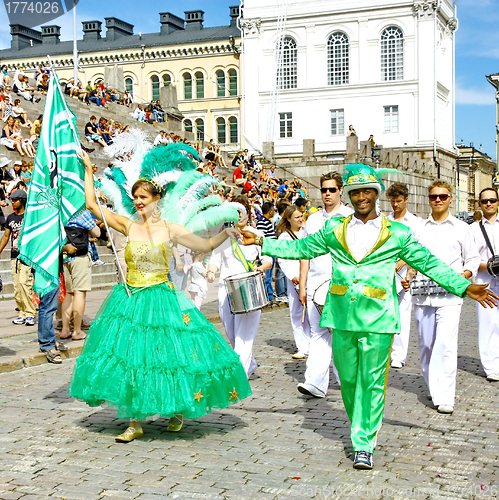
310	69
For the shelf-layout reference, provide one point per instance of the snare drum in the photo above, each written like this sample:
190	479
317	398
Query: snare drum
425	287
493	266
320	296
246	292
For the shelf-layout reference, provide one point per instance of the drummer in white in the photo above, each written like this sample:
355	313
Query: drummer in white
437	316
313	274
231	259
291	228
488	321
398	194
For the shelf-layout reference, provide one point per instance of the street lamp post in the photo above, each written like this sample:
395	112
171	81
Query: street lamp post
377	155
494	81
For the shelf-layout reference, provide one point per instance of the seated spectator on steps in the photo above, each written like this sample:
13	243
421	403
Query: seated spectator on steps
19	112
238	178
150	117
139	114
160	138
92	132
4	76
104	131
42	83
22	88
10	139
6	108
127	99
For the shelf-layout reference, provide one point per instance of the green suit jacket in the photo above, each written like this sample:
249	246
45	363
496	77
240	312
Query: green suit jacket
362	296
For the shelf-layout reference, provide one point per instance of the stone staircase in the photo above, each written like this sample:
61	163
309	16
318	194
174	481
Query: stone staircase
103	277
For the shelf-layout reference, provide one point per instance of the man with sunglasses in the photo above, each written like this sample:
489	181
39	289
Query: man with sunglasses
437	313
488	319
313	274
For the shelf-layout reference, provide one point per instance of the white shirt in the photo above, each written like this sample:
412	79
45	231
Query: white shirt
492	230
411	221
160	140
321	267
452	242
291	268
361	237
223	257
199	283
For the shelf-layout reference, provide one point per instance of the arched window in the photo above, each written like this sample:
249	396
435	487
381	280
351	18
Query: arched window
199	85
232	82
167	80
338	64
200	129
233	132
220	83
392	54
287	70
221	135
187	86
188	125
155	87
129	85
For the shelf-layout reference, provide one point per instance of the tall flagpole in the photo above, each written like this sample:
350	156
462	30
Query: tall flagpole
75	45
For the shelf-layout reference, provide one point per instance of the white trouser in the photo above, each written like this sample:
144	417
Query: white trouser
437	336
488	336
301	331
241	330
320	352
401	342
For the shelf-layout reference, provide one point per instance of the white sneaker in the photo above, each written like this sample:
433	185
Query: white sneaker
396	364
493	377
445	409
310	390
98	262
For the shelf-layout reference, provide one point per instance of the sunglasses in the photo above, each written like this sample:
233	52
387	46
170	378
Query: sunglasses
331	190
488	200
435	197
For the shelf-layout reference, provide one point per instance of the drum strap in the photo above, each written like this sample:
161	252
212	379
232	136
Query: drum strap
239	255
293	235
487	238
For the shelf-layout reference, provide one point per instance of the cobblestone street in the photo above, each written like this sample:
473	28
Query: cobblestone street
274	445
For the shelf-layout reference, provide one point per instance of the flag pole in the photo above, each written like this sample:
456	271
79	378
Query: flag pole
118	263
78	145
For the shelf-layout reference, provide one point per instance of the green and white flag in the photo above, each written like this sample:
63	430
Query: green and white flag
56	191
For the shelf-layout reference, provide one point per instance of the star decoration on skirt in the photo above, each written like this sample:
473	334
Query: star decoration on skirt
195	355
186	318
216	348
198	396
233	394
171	285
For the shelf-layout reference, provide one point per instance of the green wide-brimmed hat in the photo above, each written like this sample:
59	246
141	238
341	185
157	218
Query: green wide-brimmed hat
360	175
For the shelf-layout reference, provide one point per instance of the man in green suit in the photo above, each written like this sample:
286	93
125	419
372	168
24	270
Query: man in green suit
362	306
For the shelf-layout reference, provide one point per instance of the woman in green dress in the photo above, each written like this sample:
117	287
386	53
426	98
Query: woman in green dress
154	353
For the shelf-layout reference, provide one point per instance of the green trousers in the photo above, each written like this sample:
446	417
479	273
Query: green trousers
362	363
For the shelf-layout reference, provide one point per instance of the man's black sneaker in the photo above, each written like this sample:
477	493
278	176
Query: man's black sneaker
363	460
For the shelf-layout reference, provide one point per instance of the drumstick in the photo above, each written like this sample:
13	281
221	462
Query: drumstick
303	315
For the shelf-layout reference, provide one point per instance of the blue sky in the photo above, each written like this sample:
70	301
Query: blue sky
477	51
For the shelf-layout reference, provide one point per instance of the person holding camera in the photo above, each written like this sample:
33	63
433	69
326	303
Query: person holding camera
488	319
77	272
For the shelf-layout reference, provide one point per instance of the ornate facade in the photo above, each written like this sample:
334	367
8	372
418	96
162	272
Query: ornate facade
203	64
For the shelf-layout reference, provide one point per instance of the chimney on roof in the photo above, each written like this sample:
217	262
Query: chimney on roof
194	20
234	14
91	30
170	23
117	28
23	36
51	34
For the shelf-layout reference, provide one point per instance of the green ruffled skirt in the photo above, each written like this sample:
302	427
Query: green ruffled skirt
156	354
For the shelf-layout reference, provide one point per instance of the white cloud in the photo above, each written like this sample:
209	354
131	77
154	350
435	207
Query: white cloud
475	96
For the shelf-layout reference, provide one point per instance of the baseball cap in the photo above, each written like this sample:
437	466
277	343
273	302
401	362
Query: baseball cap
19	194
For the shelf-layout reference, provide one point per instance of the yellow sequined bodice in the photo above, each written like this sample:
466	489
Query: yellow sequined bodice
147	263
